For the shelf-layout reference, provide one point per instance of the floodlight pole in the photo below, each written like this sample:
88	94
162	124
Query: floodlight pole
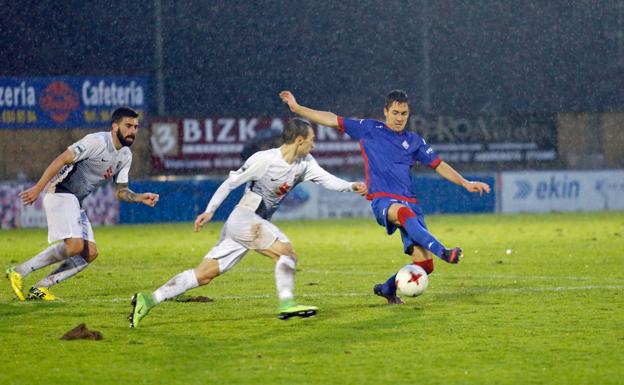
426	47
158	58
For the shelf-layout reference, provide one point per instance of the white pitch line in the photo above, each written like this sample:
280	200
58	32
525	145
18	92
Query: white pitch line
537	277
541	289
368	294
446	291
446	275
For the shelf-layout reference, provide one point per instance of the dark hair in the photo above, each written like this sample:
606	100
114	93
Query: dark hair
294	128
396	96
123	112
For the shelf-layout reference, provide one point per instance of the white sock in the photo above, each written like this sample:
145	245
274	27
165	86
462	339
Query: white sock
177	285
67	269
52	254
285	277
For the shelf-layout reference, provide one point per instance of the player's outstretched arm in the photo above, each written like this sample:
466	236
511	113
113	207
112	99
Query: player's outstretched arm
449	173
325	118
319	175
30	195
123	193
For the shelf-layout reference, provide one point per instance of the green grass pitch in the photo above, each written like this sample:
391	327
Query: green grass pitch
550	311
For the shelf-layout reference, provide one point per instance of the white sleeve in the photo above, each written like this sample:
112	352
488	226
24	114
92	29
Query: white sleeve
86	147
254	168
318	175
122	175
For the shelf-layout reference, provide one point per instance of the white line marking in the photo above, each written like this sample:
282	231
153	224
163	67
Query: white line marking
445	275
494	290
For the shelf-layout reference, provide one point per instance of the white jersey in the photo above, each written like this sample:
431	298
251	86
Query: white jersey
270	178
95	159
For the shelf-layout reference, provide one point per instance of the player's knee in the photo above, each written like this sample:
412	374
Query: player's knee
74	246
282	248
203	276
290	253
405	213
92	255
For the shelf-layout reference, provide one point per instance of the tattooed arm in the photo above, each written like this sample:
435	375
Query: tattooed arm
123	193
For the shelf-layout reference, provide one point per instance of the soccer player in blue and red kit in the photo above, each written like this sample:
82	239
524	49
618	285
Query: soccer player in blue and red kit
389	152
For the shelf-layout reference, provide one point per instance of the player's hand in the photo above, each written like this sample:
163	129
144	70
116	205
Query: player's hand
30	196
202	219
479	187
288	98
149	199
360	188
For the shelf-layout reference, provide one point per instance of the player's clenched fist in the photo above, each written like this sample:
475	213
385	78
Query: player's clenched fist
150	199
360	188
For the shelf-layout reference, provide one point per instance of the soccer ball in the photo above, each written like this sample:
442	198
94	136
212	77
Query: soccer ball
412	280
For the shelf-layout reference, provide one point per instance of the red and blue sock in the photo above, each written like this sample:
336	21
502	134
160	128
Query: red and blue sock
417	232
427	265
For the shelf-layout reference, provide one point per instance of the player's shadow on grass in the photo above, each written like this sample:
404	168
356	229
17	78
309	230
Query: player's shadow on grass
479	295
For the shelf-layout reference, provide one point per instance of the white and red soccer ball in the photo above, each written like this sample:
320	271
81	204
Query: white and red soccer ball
412	280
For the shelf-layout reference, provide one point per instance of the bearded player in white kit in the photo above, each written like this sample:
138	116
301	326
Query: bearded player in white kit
270	175
70	177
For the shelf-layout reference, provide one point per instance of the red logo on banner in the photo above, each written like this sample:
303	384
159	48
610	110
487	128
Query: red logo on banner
59	100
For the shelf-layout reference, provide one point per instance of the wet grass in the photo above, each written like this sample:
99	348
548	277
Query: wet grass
538	299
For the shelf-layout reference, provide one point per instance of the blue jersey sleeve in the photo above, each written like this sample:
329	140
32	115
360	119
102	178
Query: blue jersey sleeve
425	154
355	128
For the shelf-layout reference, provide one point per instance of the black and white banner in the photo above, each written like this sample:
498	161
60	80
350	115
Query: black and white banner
489	138
221	143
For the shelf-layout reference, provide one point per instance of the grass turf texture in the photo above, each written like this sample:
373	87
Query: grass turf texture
548	312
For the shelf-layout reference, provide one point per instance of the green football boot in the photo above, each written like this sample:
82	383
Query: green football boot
17	282
141	305
289	308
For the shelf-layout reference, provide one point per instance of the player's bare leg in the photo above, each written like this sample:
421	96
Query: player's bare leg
285	264
142	303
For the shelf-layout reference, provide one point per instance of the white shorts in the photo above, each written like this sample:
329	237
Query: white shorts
65	218
244	230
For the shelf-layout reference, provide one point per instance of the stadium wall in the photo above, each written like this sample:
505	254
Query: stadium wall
591	140
183	198
25	153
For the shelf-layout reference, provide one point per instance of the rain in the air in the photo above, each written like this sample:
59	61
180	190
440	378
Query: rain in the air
445	179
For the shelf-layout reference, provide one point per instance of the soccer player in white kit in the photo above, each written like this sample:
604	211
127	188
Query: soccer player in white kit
70	177
270	175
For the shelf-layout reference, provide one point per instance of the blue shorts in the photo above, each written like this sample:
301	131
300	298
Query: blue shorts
380	208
